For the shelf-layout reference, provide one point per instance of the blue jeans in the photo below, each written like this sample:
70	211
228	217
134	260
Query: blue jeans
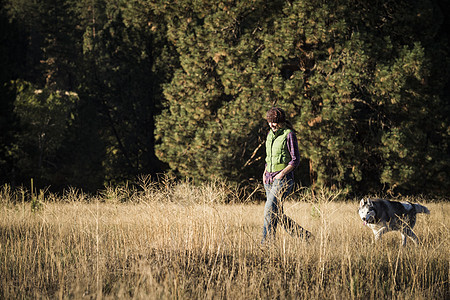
276	192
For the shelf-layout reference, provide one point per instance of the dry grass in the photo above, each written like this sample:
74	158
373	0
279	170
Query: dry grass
180	241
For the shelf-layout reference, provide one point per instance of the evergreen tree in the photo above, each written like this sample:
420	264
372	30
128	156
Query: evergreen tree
124	66
12	41
40	62
355	78
212	125
115	64
44	118
365	84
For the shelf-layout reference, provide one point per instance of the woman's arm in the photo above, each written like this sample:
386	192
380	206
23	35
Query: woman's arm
285	171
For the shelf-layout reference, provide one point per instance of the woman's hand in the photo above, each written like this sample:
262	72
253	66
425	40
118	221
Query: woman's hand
283	172
279	176
264	177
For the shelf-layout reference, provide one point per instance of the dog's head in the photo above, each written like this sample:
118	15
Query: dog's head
367	211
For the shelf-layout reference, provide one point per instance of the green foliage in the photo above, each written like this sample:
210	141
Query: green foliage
360	100
126	65
215	102
101	51
45	116
36	200
186	84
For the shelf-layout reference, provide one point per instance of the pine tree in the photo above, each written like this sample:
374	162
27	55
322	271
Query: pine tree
124	64
105	53
212	124
352	76
365	84
38	83
44	117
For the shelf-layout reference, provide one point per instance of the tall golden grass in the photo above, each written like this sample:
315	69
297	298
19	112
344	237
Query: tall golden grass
180	241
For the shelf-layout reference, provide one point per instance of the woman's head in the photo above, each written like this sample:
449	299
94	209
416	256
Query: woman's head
276	117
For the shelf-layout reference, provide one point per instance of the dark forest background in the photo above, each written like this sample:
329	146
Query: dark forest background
98	92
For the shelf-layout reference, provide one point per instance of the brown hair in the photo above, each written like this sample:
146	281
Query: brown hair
276	115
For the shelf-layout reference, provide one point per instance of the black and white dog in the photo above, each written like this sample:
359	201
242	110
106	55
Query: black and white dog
384	215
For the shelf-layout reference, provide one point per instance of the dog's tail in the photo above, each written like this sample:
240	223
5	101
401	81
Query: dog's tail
421	209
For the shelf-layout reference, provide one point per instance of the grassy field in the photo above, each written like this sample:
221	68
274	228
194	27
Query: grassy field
179	241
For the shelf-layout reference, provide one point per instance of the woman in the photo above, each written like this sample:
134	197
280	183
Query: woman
282	157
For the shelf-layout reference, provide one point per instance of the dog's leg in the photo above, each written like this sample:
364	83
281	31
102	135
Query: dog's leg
403	239
378	233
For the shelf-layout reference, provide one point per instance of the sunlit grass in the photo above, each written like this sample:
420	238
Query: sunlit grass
177	240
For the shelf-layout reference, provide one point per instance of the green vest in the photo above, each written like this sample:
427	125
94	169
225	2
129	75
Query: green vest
277	152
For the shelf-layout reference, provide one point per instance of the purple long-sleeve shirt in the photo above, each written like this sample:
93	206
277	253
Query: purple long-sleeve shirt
292	145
